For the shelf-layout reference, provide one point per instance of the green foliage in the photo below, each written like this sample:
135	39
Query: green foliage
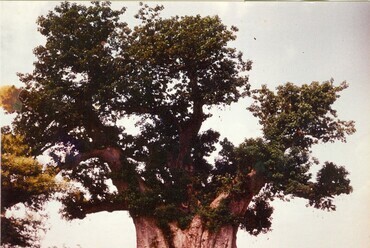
293	119
74	75
215	218
227	161
166	202
257	219
301	115
148	71
73	204
331	180
182	58
23	180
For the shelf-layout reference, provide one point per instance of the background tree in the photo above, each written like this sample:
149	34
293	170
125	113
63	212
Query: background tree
23	180
95	70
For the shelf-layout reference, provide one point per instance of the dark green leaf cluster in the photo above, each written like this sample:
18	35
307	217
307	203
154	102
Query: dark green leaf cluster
93	69
73	205
215	218
331	180
181	59
293	119
167	201
73	78
92	174
258	218
301	115
226	164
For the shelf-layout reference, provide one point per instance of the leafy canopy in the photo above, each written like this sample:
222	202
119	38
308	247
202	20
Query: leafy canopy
293	119
94	71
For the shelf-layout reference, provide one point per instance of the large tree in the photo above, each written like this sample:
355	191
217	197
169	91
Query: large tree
94	71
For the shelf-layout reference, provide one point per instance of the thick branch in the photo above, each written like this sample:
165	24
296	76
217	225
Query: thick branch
187	133
108	206
239	205
110	155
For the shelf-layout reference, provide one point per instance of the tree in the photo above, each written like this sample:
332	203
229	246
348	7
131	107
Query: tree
169	72
23	180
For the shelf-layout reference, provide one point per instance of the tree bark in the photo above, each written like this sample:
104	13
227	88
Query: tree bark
149	235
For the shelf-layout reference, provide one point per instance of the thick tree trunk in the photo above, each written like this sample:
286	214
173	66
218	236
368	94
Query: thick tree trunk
149	235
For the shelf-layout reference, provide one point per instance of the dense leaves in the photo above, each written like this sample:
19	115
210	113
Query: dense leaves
293	119
257	219
331	180
301	115
74	76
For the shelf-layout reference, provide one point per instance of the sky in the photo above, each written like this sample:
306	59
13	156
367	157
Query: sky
287	42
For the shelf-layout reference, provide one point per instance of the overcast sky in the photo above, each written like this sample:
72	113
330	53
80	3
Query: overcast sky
287	42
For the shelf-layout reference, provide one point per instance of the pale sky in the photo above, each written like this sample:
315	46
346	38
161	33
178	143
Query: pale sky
294	42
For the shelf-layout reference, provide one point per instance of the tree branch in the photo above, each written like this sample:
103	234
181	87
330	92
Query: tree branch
110	155
104	206
239	205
